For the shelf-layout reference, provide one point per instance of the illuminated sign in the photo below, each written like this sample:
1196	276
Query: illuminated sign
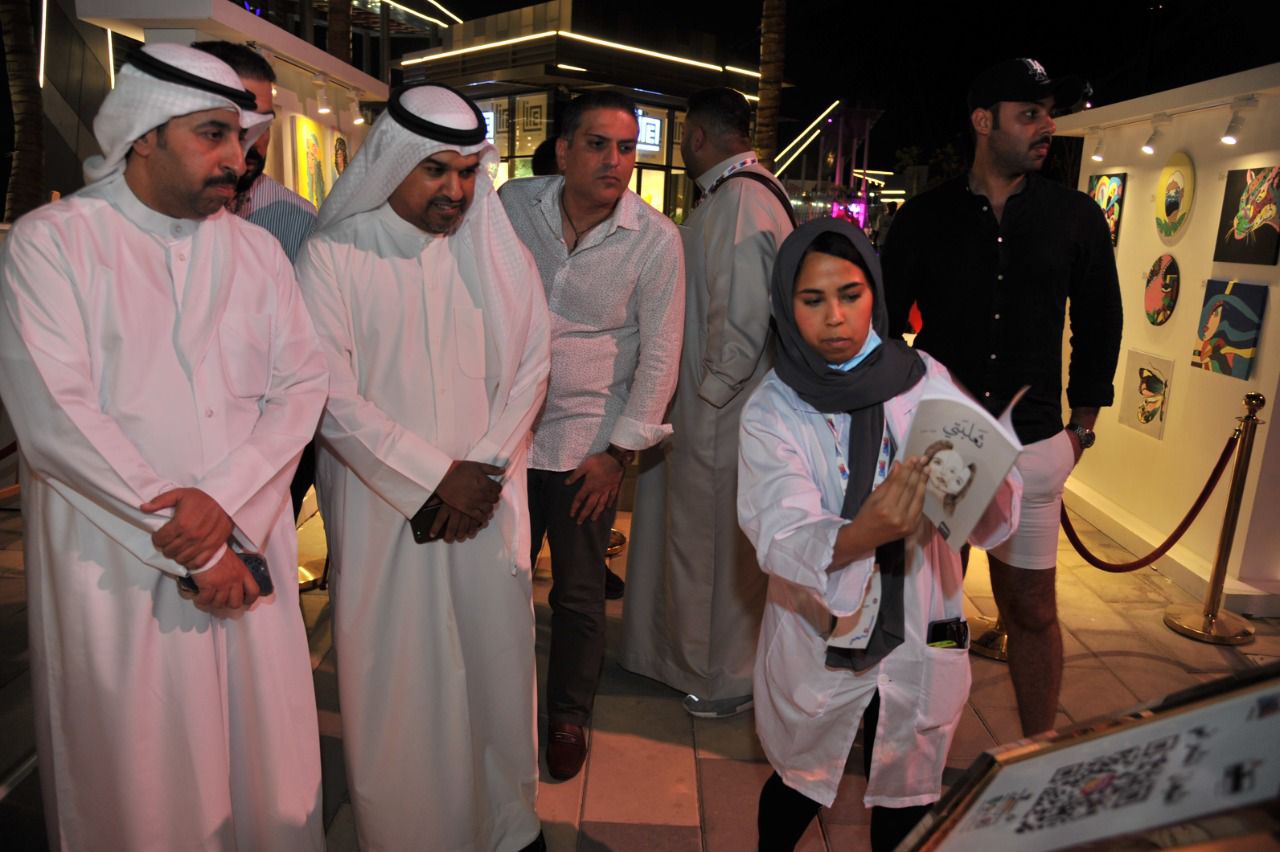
488	125
650	138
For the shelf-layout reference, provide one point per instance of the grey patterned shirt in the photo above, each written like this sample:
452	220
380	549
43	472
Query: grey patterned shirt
287	215
617	315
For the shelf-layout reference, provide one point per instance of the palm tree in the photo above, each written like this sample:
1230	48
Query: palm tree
26	169
773	51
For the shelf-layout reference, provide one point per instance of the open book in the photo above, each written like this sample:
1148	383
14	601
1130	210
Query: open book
970	453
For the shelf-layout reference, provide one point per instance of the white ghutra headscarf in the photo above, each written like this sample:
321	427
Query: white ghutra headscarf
421	121
159	82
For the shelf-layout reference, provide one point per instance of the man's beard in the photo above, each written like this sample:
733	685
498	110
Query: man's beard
254	164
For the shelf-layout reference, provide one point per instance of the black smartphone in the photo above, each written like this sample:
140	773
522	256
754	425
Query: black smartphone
422	522
948	633
257	566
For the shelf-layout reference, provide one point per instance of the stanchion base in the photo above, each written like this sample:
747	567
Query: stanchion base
1222	629
988	639
310	574
617	542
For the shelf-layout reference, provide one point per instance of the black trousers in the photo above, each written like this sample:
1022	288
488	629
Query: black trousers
577	593
784	813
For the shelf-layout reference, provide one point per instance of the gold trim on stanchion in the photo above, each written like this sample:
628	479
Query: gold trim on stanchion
991	641
617	543
1211	623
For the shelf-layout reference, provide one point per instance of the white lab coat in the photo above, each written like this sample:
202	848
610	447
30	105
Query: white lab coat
435	641
139	353
789	499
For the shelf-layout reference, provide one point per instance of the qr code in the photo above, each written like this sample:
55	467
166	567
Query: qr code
1104	783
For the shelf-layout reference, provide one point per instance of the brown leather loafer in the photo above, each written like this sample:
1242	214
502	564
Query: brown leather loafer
566	749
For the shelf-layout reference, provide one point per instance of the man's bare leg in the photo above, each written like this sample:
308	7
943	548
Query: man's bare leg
1029	613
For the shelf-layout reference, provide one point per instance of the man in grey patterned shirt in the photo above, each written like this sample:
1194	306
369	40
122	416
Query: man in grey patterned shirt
613	271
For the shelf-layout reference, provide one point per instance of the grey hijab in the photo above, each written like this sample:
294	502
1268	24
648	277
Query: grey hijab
890	370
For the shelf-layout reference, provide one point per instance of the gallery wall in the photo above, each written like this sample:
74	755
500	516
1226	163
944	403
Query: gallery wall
1141	477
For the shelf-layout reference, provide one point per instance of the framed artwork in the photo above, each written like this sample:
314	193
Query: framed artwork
1228	330
341	155
1175	194
1160	294
1144	392
1249	227
1108	192
309	160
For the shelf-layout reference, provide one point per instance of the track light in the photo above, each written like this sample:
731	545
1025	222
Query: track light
1096	156
1238	107
322	94
1157	130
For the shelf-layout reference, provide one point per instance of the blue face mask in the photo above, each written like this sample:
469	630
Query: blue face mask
868	346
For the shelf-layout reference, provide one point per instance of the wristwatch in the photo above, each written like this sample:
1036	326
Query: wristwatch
1085	436
621	456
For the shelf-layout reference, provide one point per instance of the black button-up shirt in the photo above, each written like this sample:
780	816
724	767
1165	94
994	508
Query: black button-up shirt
993	295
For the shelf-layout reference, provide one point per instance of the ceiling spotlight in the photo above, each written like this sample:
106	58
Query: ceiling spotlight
1238	107
322	94
1158	122
1096	156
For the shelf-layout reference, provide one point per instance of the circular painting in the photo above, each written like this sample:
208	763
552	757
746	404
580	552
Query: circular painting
1175	193
1161	294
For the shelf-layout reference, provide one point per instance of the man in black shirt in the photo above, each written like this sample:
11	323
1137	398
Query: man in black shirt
992	259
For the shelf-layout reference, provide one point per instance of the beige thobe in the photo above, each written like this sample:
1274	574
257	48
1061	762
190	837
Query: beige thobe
694	592
435	641
139	353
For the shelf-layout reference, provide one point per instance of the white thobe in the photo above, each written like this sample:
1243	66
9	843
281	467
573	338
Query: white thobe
139	353
435	641
694	593
789	500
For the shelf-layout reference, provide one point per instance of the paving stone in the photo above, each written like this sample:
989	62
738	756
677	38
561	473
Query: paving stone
642	767
638	837
1091	691
341	834
972	739
729	792
732	738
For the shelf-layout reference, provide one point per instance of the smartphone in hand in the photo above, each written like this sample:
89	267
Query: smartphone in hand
257	565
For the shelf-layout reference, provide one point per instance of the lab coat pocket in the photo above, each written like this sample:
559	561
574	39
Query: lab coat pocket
244	341
468	325
796	672
945	687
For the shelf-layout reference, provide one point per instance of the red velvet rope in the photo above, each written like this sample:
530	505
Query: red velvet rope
1123	567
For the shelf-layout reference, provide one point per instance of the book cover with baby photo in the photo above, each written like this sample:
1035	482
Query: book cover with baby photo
969	453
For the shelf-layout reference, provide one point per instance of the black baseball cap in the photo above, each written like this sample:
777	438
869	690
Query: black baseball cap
1024	80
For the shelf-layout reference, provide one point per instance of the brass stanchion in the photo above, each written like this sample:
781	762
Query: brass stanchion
1210	623
991	641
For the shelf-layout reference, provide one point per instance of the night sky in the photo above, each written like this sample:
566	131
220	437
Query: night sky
890	55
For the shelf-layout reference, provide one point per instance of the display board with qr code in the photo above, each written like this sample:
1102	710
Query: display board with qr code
1203	760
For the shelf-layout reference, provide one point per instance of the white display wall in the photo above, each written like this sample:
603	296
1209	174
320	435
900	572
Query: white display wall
1136	487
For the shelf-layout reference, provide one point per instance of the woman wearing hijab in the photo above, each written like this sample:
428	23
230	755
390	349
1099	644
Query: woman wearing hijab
857	575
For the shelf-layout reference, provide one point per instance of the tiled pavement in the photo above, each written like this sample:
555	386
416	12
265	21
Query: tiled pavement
657	779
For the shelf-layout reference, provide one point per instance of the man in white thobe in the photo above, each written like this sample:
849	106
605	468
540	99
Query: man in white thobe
694	592
163	375
436	333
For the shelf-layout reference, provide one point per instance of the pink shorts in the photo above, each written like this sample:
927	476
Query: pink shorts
1045	466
